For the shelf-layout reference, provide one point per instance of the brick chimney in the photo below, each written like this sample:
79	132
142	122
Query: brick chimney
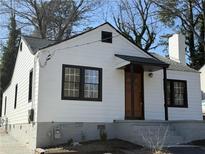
177	48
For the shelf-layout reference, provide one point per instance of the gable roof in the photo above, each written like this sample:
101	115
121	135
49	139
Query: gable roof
35	43
48	43
38	43
173	65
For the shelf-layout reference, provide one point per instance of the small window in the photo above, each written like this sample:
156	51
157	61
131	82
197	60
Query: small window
15	100
30	86
5	104
21	46
82	83
177	93
106	37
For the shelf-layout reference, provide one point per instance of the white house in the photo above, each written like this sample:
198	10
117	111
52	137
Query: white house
202	75
95	78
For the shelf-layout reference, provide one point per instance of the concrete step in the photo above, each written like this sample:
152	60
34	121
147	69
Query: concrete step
171	137
174	140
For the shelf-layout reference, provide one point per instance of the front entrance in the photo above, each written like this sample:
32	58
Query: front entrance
134	107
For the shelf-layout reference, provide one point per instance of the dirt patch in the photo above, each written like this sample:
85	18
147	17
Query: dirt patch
99	147
198	142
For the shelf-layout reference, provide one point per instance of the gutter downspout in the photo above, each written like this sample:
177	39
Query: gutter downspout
165	94
132	88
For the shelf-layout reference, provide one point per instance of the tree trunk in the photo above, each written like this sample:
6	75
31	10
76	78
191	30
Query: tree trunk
191	35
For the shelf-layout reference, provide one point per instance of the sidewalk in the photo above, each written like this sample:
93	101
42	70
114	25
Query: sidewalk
8	145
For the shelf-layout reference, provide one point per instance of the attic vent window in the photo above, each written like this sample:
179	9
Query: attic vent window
21	46
106	37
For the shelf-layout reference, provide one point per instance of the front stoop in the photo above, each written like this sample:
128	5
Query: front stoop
173	138
149	133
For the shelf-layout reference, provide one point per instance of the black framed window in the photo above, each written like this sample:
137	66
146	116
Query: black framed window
15	99
177	93
106	37
21	46
5	105
81	83
30	85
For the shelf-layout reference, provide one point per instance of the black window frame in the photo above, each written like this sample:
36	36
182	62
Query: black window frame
172	103
5	104
16	93
21	45
82	83
108	38
30	90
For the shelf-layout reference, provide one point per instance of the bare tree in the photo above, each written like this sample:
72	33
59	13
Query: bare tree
136	22
54	19
187	16
64	15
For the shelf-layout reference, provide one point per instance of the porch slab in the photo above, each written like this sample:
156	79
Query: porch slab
167	133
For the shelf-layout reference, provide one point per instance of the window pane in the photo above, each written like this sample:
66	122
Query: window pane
91	91
179	90
72	74
71	82
91	76
91	83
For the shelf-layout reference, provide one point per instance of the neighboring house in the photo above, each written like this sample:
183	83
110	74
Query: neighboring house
92	79
202	75
203	107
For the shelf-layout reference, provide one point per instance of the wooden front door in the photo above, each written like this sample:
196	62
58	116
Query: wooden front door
134	92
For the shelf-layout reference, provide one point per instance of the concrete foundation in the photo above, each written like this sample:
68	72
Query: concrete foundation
49	134
146	133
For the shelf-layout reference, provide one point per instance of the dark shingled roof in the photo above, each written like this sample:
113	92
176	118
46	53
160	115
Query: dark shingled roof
36	43
142	60
173	65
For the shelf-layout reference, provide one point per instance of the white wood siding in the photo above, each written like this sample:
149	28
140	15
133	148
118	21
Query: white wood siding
112	107
98	54
23	66
194	110
154	96
52	108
